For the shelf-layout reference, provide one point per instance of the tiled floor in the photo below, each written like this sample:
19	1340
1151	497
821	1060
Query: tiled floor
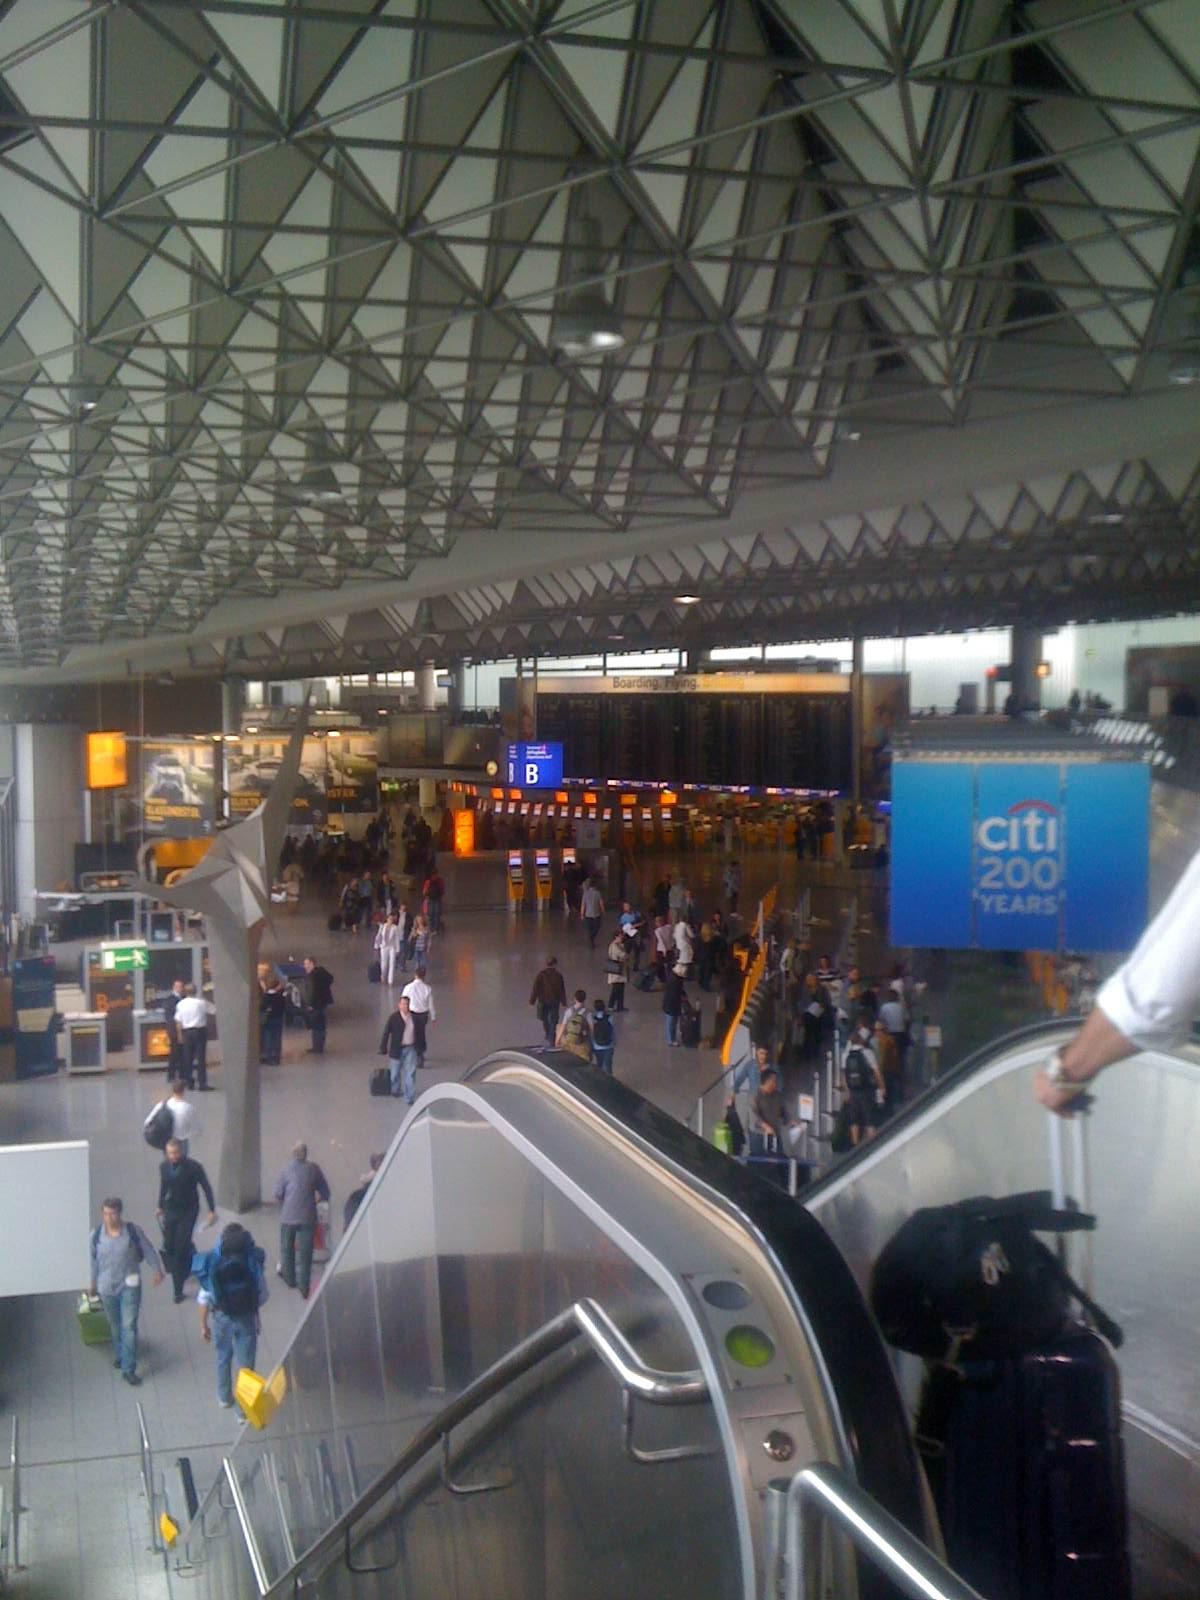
77	1419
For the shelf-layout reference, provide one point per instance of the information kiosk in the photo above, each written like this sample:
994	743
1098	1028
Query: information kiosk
516	879
544	883
648	827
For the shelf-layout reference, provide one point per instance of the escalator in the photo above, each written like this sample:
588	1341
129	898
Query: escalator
563	1349
1131	1160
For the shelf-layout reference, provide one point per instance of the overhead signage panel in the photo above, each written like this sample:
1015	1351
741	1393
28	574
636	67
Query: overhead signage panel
535	766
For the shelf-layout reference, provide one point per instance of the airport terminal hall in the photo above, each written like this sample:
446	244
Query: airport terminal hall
599	799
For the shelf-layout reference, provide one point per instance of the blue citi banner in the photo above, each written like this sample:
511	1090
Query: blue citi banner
1020	855
535	766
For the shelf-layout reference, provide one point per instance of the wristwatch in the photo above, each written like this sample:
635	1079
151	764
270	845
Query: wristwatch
1056	1075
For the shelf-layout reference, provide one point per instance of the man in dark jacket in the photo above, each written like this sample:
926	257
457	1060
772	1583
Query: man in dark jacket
549	995
168	1006
318	997
673	1001
180	1179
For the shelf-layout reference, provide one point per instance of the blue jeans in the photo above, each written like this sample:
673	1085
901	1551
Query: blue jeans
235	1340
122	1310
672	1022
604	1056
403	1069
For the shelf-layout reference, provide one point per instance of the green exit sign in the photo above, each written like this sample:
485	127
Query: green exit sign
124	958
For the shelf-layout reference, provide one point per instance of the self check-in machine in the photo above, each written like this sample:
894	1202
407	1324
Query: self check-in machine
516	880
648	827
542	876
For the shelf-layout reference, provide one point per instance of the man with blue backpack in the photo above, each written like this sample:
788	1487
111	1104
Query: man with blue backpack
232	1288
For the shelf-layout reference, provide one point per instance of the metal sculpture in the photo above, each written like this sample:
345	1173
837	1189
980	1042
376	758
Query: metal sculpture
231	889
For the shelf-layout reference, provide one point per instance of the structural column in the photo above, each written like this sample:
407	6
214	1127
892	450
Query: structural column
856	721
427	686
1025	652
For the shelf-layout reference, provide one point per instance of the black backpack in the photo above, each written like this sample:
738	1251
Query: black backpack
234	1285
159	1127
602	1029
974	1273
858	1073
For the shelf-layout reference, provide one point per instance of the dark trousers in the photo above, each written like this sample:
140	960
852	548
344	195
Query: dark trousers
178	1227
316	1027
548	1017
616	998
420	1021
295	1255
195	1056
175	1066
270	1040
592	924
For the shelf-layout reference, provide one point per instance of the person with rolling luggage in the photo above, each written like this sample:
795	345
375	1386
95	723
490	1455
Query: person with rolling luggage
1019	1421
673	1001
690	1025
399	1045
116	1251
387	948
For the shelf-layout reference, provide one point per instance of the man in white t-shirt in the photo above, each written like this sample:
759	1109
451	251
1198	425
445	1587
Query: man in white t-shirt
191	1026
591	908
421	1007
185	1124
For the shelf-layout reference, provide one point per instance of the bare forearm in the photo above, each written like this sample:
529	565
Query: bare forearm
1098	1044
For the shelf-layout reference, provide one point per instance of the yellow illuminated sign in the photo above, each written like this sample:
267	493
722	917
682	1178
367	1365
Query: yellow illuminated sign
464	832
666	798
107	767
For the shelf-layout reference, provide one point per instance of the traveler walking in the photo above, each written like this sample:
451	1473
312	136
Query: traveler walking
420	940
180	1180
116	1251
685	946
387	947
664	947
420	1000
399	1045
893	1014
272	1003
674	997
549	995
233	1286
184	1123
435	894
357	1195
175	1067
604	1036
318	997
575	1031
863	1083
617	968
592	909
733	884
191	1027
300	1185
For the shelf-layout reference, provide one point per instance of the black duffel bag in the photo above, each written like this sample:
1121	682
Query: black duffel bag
974	1273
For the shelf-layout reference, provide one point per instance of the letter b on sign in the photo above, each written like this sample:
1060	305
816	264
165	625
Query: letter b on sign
532	773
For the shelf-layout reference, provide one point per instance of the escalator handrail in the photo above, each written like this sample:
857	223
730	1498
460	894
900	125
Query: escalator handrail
585	1317
822	1491
1048	1029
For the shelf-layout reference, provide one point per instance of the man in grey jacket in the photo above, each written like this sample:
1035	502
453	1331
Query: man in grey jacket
117	1250
301	1184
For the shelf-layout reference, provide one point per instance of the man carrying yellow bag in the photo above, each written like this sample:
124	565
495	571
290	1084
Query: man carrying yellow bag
232	1288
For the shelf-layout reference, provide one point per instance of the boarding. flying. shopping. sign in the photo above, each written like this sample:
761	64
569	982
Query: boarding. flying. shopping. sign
1019	855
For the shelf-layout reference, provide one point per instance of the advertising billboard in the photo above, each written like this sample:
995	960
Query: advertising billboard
252	766
1020	855
177	788
352	781
535	766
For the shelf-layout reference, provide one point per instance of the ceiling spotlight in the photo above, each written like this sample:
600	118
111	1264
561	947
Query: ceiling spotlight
687	599
1107	519
586	324
1185	369
615	638
85	397
320	487
847	432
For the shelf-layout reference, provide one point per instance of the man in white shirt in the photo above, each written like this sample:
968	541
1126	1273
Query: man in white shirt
185	1124
387	944
894	1015
1148	1001
420	1005
191	1028
664	945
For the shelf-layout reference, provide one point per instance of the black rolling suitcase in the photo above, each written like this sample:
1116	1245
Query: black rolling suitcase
1025	1460
375	973
1020	1417
335	922
381	1081
689	1026
644	981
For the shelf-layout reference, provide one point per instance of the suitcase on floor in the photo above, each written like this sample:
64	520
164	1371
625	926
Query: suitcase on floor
381	1081
375	973
93	1322
689	1026
644	981
335	922
1025	1459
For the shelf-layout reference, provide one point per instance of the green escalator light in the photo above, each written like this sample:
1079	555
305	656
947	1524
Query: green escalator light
749	1347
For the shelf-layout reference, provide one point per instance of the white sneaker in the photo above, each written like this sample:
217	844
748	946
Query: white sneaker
225	1404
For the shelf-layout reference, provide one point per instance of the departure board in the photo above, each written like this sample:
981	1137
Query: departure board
797	741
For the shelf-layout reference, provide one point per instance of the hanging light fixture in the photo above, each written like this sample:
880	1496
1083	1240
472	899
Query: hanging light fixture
585	322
